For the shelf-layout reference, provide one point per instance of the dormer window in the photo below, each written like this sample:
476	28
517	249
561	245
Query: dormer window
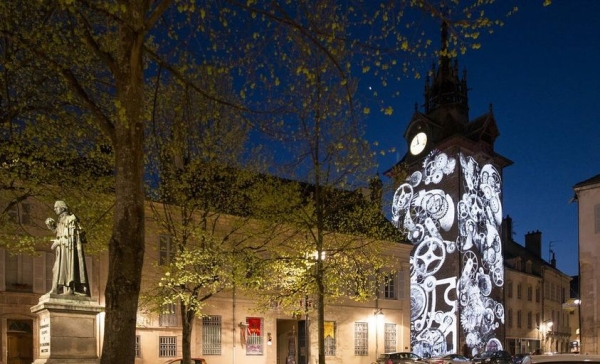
518	263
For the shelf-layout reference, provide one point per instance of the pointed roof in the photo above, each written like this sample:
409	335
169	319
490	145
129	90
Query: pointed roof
446	91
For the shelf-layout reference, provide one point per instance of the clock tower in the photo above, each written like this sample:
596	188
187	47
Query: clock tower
450	208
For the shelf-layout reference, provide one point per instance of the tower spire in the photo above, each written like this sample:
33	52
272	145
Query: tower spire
447	92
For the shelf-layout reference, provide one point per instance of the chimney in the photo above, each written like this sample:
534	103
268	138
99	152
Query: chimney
533	242
507	229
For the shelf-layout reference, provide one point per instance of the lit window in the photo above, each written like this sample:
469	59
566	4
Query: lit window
361	338
211	335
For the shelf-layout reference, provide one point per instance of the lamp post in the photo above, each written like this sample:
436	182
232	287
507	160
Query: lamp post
378	313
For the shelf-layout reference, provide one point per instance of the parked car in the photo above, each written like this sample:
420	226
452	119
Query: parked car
493	357
404	357
180	360
561	359
518	358
448	359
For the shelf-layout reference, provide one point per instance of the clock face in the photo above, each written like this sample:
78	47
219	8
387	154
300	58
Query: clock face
418	143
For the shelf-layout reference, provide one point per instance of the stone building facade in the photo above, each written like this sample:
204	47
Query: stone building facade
587	195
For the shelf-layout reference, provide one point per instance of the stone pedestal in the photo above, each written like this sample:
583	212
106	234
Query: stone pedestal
68	329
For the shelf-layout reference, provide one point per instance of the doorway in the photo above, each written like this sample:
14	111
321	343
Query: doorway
19	341
292	342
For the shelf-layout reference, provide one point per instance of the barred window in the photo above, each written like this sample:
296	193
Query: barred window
390	338
169	316
330	335
361	338
254	336
137	346
167	346
211	335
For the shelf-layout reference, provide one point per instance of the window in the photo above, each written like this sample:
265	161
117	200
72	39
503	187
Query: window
330	338
137	346
519	319
390	338
519	291
361	338
211	335
509	289
169	316
166	252
167	346
389	287
509	319
18	273
518	263
20	213
528	266
537	294
254	336
402	284
529	293
537	320
597	218
529	320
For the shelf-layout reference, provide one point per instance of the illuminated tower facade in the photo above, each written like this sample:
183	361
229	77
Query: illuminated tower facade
450	207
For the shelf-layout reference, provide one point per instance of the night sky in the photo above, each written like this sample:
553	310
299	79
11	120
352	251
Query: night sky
541	72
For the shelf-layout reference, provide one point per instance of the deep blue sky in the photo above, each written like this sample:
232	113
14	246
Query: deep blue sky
541	72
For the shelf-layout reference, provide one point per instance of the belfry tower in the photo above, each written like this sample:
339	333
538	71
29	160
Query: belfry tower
450	207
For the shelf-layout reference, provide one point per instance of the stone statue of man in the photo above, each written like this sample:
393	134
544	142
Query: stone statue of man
69	275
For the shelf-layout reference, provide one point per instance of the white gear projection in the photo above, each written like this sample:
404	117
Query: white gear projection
440	300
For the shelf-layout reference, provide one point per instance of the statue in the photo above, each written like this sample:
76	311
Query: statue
69	275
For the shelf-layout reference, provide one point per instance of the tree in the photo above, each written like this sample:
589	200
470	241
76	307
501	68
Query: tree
95	60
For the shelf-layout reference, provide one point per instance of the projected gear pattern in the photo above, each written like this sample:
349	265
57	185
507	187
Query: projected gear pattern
426	215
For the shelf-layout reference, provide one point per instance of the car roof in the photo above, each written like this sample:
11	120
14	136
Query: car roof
561	358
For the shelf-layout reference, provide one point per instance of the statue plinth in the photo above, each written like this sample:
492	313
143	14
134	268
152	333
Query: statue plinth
67	329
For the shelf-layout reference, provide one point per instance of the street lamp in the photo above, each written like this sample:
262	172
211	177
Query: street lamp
546	326
378	313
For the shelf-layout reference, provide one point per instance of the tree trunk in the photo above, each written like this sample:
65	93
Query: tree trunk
187	319
126	248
